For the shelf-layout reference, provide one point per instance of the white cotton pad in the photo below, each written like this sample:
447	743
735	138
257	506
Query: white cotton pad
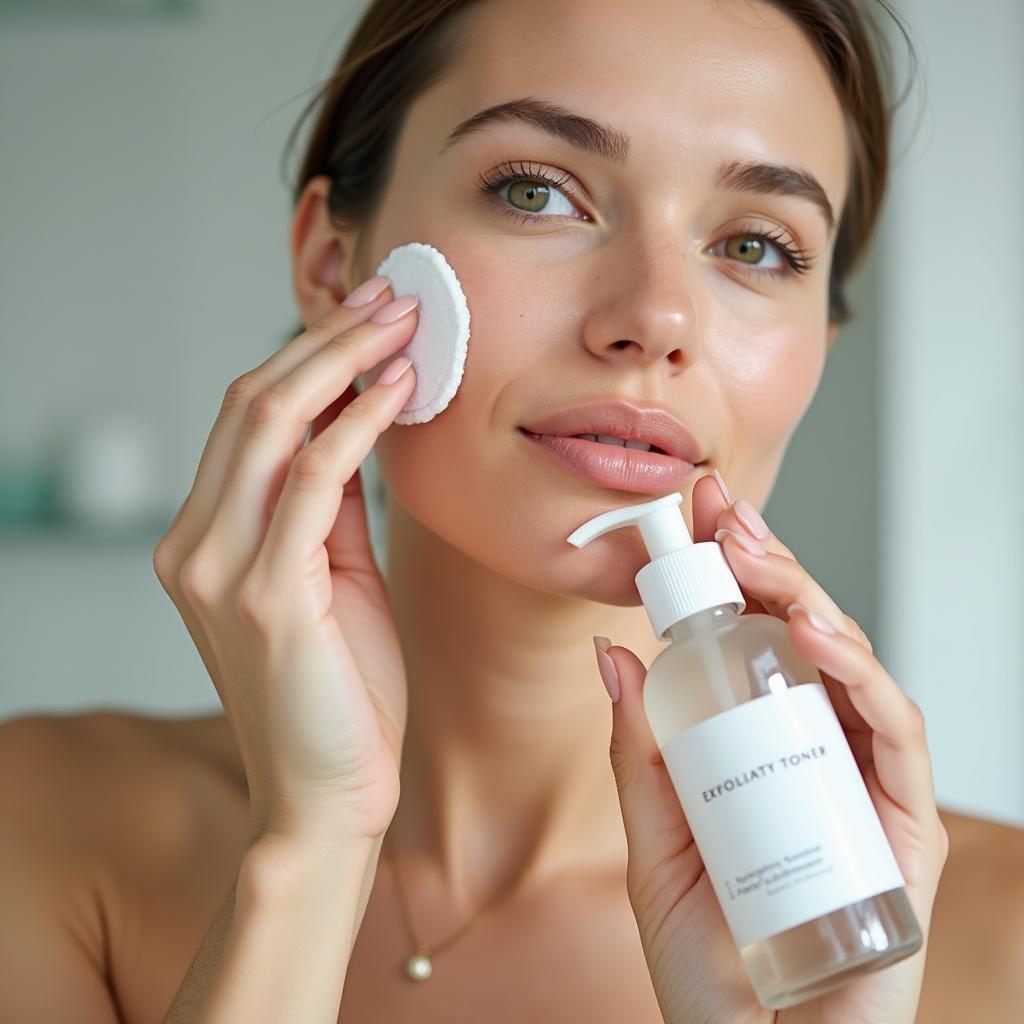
439	346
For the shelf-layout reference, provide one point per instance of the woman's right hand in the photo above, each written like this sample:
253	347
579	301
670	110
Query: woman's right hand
269	563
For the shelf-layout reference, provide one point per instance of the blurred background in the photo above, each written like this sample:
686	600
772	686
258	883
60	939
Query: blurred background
144	265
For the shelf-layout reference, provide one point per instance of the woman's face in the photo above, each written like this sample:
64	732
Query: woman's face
652	278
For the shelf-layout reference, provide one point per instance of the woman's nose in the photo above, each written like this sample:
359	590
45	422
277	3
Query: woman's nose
646	312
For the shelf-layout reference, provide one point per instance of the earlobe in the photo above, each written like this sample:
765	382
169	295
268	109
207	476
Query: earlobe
831	335
319	251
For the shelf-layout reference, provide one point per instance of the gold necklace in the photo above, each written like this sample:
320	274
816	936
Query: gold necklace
419	966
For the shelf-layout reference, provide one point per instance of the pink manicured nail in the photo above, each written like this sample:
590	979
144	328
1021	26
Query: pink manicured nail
366	292
395	310
751	519
745	542
721	486
820	624
607	668
394	370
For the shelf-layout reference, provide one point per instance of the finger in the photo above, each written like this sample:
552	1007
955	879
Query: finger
742	518
195	515
777	580
314	488
708	502
656	827
274	428
899	746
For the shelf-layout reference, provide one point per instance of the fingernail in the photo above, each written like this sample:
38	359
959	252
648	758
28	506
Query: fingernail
395	310
366	292
820	624
607	667
721	486
394	370
751	519
745	542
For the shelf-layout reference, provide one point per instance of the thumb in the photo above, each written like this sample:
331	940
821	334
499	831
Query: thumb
656	828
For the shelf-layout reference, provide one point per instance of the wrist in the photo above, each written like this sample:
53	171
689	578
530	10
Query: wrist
278	864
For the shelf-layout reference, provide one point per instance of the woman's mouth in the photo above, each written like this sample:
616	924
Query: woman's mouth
612	464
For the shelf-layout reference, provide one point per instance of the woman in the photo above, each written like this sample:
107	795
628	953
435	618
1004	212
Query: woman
661	207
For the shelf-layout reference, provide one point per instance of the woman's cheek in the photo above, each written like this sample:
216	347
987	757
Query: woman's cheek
768	370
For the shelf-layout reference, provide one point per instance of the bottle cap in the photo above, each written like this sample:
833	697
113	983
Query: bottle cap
682	578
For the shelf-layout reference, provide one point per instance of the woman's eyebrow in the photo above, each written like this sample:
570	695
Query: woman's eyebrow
600	139
577	129
768	178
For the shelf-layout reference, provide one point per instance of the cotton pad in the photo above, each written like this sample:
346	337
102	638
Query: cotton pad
439	346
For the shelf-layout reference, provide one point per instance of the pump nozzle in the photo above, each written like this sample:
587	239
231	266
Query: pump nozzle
682	578
661	525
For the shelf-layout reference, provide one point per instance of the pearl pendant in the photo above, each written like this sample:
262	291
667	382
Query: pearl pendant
418	966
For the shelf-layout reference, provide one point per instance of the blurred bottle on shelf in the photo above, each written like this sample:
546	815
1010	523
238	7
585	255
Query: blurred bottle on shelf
107	474
26	491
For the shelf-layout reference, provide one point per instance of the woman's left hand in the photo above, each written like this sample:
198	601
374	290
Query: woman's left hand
682	927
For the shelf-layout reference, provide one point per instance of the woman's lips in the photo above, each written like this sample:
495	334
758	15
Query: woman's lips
624	469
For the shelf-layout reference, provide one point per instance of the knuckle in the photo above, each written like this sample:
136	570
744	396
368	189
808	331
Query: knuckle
943	841
339	344
241	391
799	581
916	715
196	579
859	633
252	604
655	890
165	560
357	410
331	321
268	406
618	756
321	323
311	464
783	550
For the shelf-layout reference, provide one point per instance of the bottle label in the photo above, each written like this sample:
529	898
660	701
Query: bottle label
780	813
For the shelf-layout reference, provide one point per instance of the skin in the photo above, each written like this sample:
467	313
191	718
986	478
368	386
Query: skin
494	608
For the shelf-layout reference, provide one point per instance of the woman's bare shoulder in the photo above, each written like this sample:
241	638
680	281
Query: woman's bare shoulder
124	832
108	776
976	942
971	830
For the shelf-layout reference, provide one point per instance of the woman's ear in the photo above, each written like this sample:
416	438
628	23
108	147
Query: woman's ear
321	254
830	337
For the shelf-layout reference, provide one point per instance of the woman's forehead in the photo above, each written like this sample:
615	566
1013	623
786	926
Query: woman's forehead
700	80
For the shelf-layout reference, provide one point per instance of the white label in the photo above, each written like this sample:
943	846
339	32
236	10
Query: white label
780	812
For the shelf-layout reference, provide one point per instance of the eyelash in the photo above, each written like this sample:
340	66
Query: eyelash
800	260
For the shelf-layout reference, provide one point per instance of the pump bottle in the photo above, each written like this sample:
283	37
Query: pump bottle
790	839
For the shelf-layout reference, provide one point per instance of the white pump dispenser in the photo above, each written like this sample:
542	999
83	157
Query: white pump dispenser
776	803
682	578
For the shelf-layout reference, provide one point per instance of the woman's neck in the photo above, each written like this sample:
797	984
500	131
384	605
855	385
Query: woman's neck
505	763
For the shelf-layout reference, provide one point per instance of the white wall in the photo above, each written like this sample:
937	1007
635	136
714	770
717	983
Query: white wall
952	551
144	238
144	264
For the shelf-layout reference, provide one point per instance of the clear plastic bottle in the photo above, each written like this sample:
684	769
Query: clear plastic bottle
778	808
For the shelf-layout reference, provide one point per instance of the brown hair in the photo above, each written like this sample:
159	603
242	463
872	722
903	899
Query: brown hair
401	47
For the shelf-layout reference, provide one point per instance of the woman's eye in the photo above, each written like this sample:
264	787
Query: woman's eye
530	195
765	253
536	197
755	251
